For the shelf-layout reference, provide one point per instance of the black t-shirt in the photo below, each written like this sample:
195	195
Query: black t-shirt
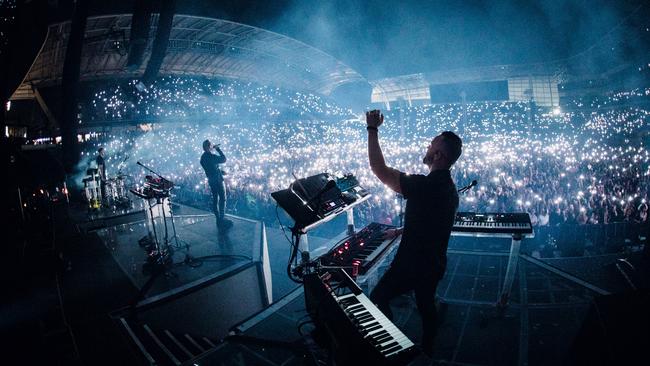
431	205
210	163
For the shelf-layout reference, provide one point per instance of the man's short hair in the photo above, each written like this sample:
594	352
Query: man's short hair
453	146
206	145
100	150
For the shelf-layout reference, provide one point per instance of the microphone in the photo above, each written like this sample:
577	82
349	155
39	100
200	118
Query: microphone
468	187
139	163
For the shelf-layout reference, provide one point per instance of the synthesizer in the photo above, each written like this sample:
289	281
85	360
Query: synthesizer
361	250
319	198
492	224
362	333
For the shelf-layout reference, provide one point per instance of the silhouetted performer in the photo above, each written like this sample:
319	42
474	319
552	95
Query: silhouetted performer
432	201
210	163
101	169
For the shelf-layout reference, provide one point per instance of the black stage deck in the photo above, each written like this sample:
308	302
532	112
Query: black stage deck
549	301
537	328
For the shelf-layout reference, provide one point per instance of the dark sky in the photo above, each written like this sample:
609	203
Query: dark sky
387	38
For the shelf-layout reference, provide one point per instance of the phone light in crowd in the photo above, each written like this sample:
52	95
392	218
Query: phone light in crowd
557	111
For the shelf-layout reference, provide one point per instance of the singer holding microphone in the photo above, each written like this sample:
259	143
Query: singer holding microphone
210	163
432	201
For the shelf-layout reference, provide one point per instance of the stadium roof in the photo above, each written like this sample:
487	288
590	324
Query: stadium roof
416	86
197	46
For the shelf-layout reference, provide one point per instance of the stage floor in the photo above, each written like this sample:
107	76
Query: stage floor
211	250
535	329
546	309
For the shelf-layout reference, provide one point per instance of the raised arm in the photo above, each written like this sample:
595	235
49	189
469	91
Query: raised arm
221	157
386	174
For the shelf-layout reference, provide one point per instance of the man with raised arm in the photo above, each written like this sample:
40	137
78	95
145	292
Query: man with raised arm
432	201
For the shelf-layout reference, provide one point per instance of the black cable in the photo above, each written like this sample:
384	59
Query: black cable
293	248
293	256
277	215
302	324
224	256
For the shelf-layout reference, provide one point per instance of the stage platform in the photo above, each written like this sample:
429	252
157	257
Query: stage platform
199	237
93	219
537	328
192	310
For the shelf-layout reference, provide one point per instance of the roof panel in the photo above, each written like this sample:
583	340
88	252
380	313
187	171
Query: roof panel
197	45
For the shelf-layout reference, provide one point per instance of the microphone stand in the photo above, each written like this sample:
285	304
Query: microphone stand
189	260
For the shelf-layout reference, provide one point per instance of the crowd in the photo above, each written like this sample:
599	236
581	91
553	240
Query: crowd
585	164
171	99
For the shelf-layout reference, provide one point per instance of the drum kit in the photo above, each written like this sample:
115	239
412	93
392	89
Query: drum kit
115	193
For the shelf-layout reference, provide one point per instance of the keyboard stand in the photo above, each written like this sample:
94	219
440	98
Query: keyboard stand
513	259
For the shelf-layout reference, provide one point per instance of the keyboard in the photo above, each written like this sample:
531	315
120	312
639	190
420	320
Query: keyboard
362	333
361	250
492	224
373	325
